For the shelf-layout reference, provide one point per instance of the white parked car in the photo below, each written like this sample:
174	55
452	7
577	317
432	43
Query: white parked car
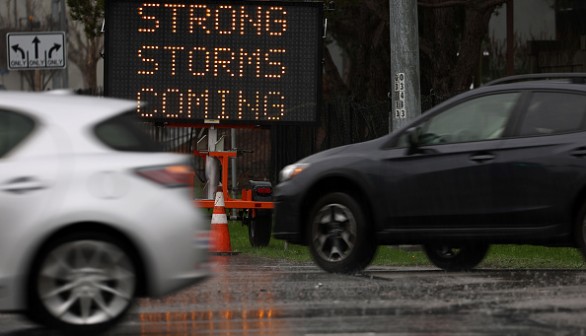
92	214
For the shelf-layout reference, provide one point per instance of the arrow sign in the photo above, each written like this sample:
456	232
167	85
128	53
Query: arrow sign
36	50
55	47
16	48
36	42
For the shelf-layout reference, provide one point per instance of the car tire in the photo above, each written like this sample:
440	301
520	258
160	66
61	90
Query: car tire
580	231
82	283
259	229
340	237
456	257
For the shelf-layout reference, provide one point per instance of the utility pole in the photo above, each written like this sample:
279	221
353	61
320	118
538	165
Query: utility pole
59	18
405	90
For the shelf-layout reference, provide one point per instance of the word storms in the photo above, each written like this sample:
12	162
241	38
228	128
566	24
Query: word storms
208	61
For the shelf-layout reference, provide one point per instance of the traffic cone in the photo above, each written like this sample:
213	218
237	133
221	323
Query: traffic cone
219	233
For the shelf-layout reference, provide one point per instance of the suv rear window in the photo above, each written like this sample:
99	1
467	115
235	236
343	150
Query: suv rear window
554	113
126	133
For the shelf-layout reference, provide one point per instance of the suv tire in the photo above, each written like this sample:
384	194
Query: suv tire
456	257
339	236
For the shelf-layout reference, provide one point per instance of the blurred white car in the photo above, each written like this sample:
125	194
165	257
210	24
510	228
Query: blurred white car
92	215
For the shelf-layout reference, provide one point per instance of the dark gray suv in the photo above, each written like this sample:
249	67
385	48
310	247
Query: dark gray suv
504	163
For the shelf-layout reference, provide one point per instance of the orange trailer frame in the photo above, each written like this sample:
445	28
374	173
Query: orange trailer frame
245	202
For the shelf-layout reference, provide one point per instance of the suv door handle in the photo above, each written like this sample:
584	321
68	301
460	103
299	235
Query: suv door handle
21	185
482	157
579	152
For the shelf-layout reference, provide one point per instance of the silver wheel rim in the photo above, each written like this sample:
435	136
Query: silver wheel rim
334	232
86	282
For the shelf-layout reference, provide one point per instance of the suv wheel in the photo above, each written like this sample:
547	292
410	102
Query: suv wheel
456	257
82	283
340	238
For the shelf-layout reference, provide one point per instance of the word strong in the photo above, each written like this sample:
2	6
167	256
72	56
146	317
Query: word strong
223	19
234	62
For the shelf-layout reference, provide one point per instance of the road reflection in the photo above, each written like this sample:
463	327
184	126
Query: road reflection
254	322
184	315
254	296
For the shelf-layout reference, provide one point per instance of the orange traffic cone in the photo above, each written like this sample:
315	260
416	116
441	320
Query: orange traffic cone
220	234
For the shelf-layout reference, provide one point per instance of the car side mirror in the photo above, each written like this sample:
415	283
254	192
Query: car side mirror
413	135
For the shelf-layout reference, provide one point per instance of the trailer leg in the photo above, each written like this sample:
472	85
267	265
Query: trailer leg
260	227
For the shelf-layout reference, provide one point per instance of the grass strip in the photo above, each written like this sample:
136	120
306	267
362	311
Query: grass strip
499	256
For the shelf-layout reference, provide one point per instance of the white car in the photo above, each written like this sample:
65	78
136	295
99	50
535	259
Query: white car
92	214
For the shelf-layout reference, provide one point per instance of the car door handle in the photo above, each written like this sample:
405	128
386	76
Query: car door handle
22	185
483	157
579	152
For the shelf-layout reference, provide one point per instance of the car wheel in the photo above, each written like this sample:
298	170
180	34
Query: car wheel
340	238
82	283
457	257
259	229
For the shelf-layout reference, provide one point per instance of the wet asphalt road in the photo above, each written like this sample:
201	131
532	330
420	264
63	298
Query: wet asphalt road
252	296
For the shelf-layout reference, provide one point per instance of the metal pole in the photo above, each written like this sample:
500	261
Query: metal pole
234	174
405	95
63	25
212	168
59	23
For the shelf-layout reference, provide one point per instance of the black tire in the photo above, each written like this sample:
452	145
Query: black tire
580	231
340	238
457	257
260	228
82	283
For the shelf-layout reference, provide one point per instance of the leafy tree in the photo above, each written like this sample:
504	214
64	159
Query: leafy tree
85	49
90	13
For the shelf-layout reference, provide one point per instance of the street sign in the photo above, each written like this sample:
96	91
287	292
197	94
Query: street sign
216	62
36	50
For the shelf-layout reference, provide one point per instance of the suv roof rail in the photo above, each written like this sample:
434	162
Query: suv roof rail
574	77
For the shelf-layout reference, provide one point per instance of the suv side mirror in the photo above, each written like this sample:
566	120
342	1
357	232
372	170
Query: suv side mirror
413	135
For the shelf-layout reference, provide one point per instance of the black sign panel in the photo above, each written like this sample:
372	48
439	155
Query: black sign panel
228	62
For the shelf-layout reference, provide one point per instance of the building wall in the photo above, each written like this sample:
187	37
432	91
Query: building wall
534	19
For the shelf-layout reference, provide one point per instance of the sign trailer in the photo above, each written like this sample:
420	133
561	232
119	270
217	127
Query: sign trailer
201	63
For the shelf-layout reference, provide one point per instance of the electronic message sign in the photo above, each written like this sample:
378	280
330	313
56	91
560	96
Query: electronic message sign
227	62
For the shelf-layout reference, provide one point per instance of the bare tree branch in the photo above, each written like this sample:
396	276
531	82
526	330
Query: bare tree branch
86	46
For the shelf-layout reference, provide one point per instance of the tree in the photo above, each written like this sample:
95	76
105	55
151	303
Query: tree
357	97
451	37
361	29
85	49
452	33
